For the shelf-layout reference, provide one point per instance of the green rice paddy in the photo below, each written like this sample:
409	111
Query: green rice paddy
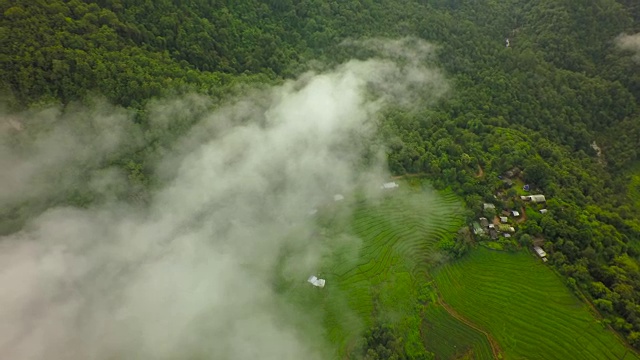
383	266
448	338
526	307
398	237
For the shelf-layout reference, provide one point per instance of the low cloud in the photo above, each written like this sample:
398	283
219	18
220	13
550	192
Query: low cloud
191	274
48	151
630	43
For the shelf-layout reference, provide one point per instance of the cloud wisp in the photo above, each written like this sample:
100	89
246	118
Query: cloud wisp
630	43
190	275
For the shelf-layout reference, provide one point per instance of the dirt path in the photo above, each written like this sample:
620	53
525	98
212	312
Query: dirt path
350	346
495	347
598	316
523	215
480	172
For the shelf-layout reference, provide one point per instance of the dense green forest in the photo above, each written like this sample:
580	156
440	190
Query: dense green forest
538	104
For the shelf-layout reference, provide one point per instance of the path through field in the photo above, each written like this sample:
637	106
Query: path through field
495	347
526	307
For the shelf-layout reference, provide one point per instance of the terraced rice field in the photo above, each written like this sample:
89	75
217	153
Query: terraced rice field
448	338
398	235
526	307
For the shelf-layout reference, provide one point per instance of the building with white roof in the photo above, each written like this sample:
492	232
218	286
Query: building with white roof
316	282
389	185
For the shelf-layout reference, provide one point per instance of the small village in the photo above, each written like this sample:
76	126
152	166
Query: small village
503	220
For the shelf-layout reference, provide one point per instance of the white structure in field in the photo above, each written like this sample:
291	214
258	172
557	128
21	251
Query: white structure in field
316	282
541	253
389	185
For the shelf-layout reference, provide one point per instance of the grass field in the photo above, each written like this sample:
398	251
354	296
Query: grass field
380	255
380	266
526	307
398	237
448	338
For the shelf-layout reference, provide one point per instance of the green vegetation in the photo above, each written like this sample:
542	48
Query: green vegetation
378	265
634	188
526	307
538	104
449	338
375	276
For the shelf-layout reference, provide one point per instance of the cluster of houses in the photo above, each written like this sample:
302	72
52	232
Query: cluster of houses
500	225
535	199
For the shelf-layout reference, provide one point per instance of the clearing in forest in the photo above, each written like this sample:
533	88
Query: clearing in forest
526	307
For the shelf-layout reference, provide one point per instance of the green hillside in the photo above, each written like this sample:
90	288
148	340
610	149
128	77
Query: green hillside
449	338
526	307
379	263
548	87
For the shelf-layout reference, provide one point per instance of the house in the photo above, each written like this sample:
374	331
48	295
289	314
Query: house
493	233
515	213
489	206
338	197
523	197
543	211
513	172
316	282
503	219
536	198
484	222
389	185
507	235
507	183
540	253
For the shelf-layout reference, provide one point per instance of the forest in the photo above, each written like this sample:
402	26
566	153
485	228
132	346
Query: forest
539	103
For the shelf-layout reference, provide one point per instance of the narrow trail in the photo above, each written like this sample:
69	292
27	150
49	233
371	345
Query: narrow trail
480	172
350	346
523	215
495	347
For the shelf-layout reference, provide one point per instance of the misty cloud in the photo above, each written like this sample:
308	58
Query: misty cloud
47	151
630	43
191	275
